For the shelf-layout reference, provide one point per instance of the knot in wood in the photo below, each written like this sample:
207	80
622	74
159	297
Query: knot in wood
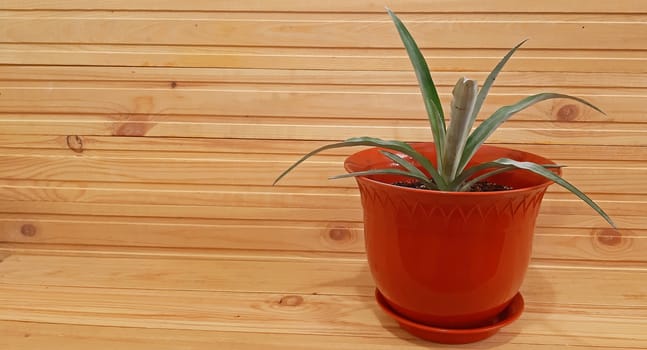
609	237
75	143
340	233
28	230
136	125
568	113
291	300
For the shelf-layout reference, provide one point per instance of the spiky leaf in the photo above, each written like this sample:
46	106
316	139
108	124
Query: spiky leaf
410	168
427	87
465	181
374	142
485	89
488	126
389	171
540	170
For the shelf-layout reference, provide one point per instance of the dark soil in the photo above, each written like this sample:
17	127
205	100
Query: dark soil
484	186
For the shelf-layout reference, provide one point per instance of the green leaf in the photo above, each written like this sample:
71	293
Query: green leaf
390	171
460	183
540	170
375	142
410	168
467	185
427	86
485	89
488	126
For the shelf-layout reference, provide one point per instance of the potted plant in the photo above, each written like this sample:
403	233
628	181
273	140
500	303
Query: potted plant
449	224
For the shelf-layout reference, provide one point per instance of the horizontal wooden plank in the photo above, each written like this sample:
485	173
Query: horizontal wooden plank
595	243
303	81
194	233
36	336
219	211
220	274
264	190
336	156
257	197
307	129
469	6
189	211
587	220
22	143
294	32
587	61
312	87
33	336
160	170
231	170
80	250
217	274
120	103
324	16
183	76
74	250
218	311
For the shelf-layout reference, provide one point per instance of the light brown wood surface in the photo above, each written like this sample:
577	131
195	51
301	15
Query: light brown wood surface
125	298
469	6
139	140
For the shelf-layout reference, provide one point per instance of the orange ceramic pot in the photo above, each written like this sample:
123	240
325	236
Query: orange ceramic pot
449	259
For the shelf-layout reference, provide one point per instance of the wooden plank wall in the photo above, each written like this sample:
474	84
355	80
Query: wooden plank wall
163	123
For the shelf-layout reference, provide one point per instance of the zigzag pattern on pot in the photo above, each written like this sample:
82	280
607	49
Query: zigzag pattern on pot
479	210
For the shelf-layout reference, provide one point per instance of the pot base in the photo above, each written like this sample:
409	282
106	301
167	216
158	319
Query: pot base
458	335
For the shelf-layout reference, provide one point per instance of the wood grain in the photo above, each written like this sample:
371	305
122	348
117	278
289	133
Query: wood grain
184	233
182	76
139	139
258	196
227	170
31	336
496	6
577	244
289	102
584	61
292	31
116	300
311	129
218	211
222	274
22	143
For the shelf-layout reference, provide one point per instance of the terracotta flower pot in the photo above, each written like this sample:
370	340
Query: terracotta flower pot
449	259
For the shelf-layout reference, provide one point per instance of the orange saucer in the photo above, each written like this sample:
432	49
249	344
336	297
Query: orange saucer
460	335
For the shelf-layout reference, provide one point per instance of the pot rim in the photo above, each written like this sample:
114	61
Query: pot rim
546	183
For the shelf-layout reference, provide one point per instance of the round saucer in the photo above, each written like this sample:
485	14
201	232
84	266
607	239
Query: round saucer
455	336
